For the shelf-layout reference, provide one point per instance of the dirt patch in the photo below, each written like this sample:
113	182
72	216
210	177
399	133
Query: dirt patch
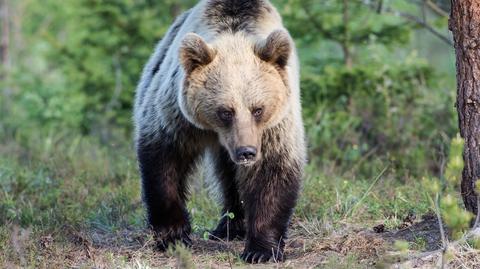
363	244
426	231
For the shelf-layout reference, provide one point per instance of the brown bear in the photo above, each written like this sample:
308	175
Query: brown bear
223	86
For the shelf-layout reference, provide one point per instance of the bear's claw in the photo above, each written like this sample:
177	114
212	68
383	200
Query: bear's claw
235	230
261	256
172	238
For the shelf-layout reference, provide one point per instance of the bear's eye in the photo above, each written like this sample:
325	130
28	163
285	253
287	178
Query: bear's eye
257	113
225	115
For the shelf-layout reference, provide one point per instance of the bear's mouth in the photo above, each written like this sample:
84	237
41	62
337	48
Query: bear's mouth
245	162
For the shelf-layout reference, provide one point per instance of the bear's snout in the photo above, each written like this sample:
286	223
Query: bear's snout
245	154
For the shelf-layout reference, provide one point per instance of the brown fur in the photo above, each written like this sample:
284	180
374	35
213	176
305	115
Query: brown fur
275	49
224	79
194	53
217	85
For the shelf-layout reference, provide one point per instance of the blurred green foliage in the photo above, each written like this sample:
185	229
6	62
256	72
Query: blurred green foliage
369	97
378	95
443	195
88	55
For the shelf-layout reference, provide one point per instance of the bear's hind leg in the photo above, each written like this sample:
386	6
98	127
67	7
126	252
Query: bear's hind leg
164	170
228	228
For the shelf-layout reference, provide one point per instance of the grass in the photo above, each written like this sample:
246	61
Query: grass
73	202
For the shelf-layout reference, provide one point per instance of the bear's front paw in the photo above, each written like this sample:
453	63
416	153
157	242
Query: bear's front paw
228	230
165	238
262	255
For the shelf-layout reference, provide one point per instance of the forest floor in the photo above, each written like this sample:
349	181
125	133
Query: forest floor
70	203
350	247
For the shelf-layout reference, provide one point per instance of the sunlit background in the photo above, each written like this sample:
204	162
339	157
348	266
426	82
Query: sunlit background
378	90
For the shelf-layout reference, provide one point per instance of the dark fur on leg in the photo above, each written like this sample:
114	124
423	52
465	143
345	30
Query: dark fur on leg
270	196
228	228
164	168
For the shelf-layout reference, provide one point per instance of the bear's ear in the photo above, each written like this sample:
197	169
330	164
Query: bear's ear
195	52
275	49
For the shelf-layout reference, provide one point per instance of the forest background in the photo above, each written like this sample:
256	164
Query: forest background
378	95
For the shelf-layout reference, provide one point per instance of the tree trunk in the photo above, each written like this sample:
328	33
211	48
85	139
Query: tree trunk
5	35
465	26
347	54
4	56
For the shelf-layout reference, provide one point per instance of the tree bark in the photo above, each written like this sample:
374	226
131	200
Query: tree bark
347	54
465	26
5	34
4	56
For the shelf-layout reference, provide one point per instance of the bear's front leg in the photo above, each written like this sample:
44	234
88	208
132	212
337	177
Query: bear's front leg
228	228
270	197
164	169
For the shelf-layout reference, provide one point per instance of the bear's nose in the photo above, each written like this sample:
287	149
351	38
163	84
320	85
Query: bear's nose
246	153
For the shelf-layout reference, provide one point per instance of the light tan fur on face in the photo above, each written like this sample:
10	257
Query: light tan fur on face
242	76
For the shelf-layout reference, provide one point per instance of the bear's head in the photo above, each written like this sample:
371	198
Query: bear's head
237	87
